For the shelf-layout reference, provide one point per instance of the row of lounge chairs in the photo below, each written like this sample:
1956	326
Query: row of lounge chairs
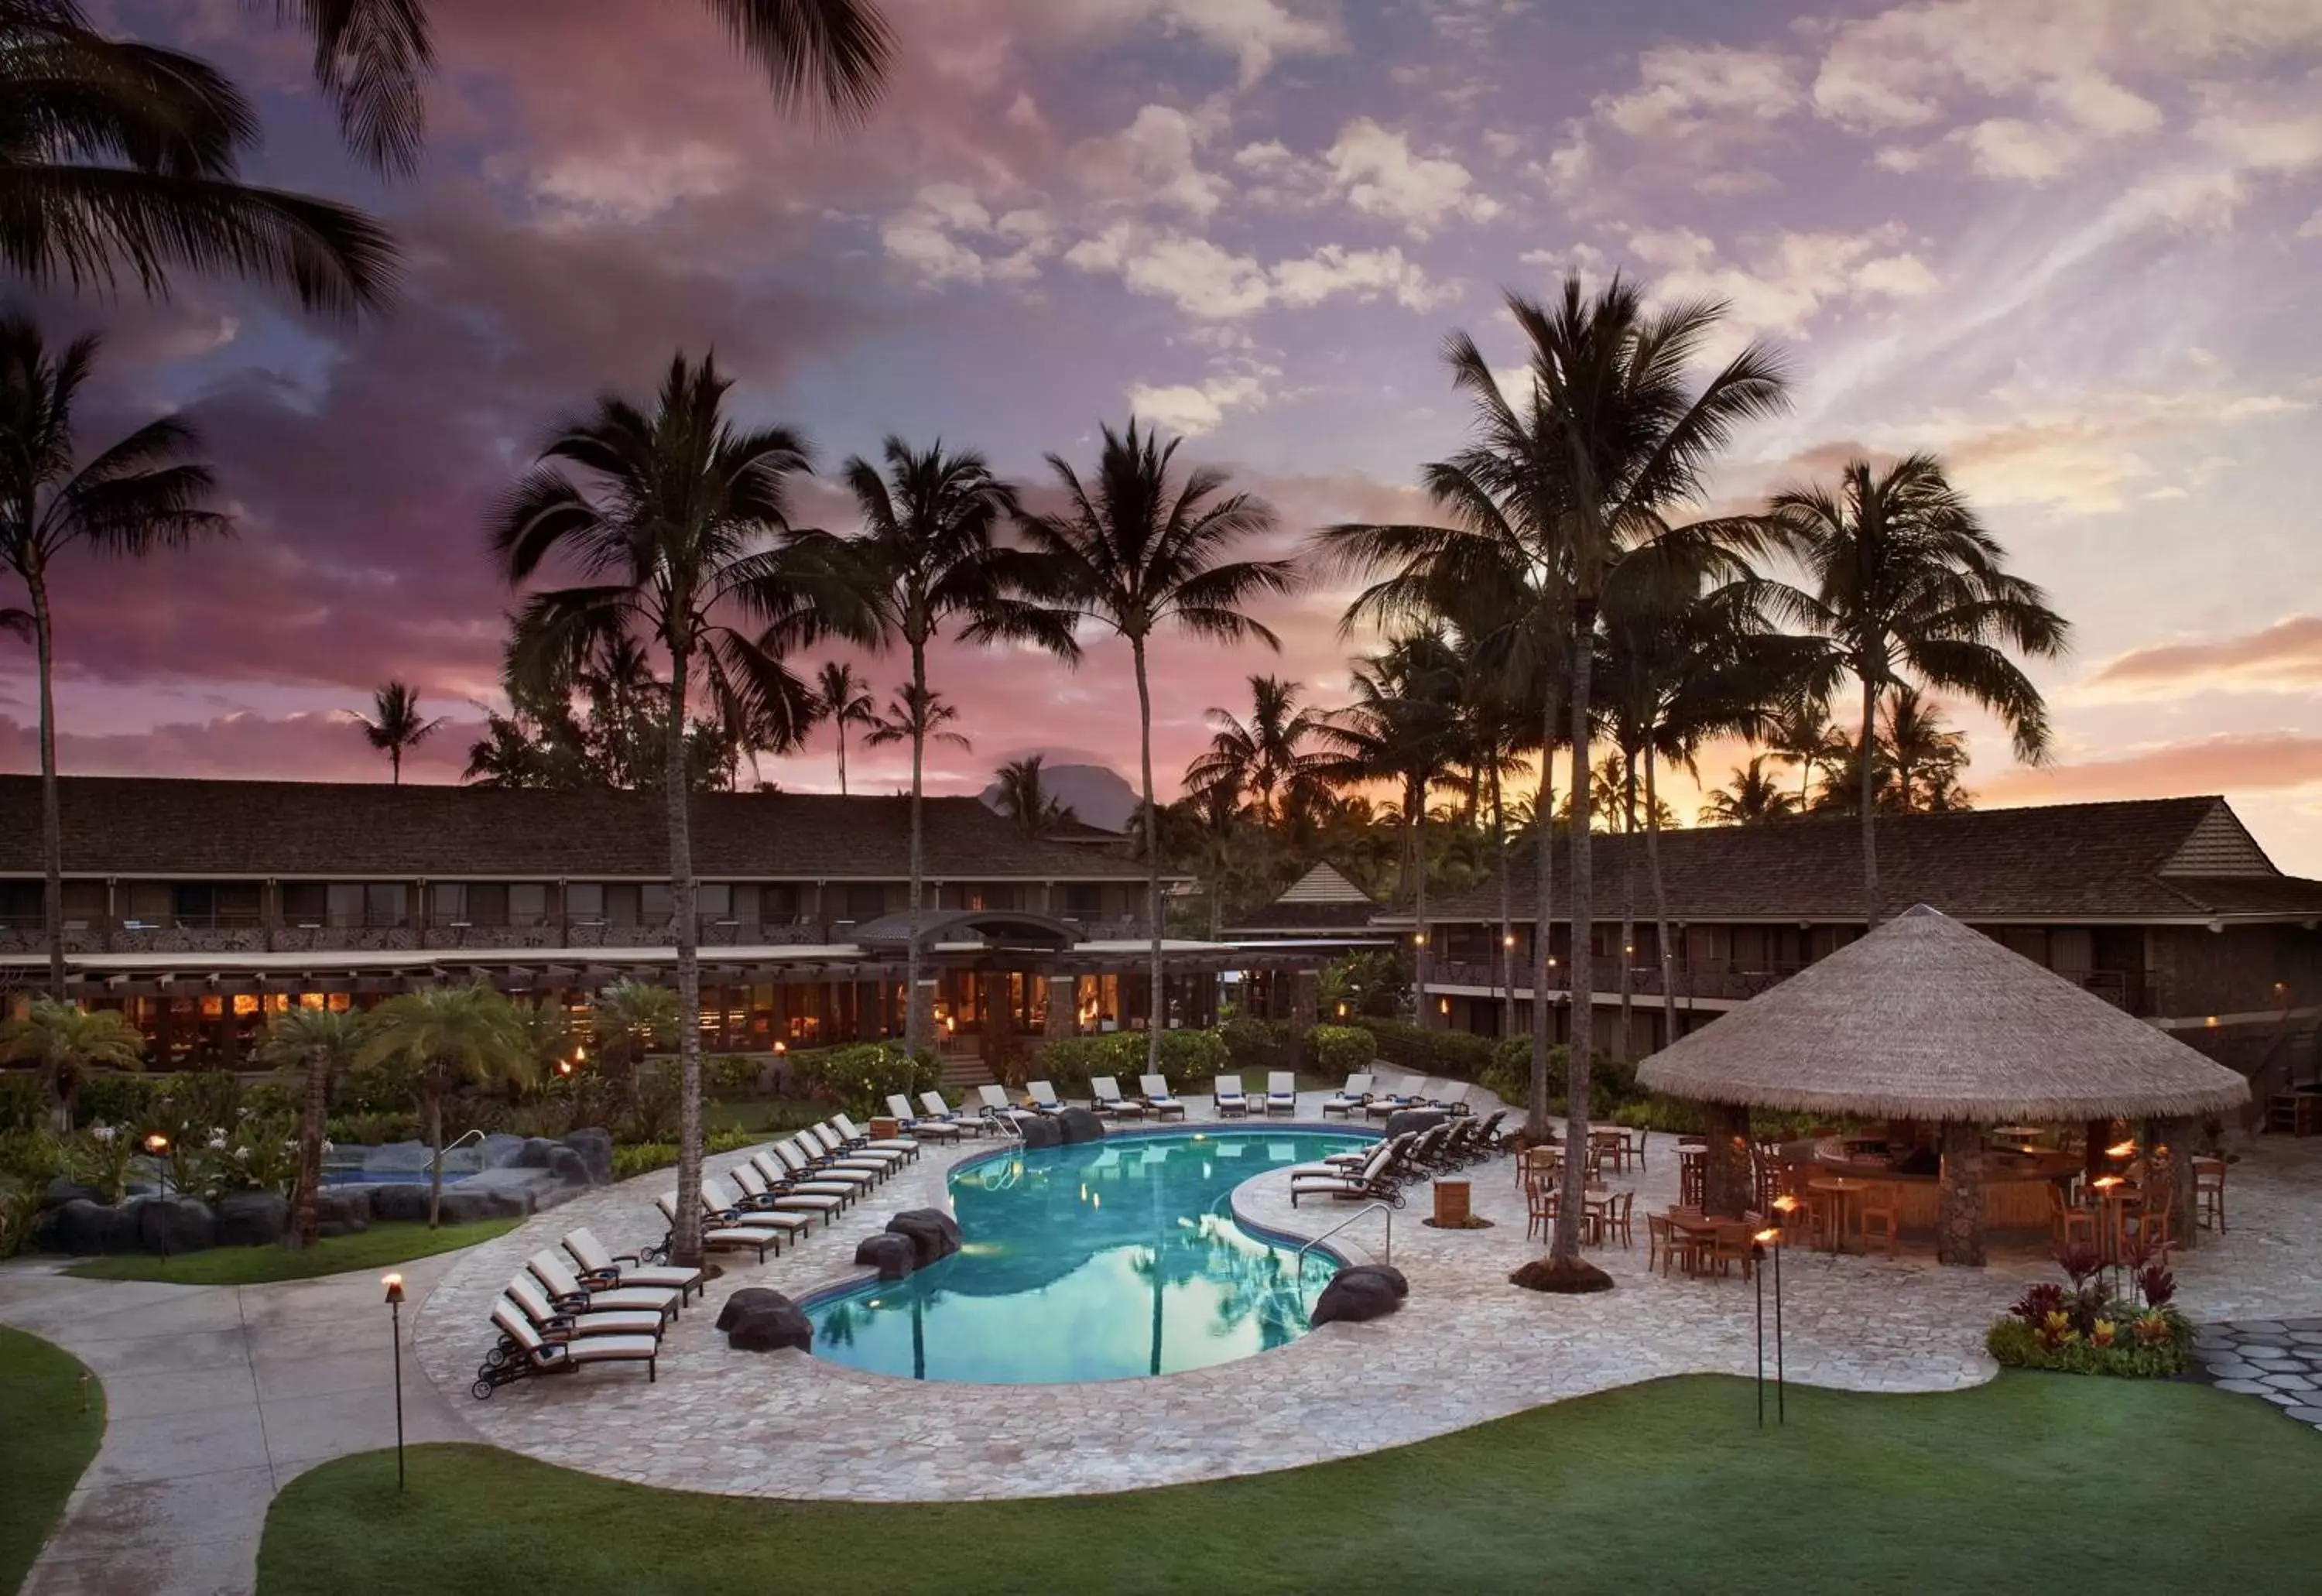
578	1303
1155	1099
1373	1100
776	1195
1378	1174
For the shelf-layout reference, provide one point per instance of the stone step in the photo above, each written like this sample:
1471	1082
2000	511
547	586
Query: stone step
964	1069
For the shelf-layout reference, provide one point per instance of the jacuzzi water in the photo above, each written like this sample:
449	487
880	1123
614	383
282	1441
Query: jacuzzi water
1096	1262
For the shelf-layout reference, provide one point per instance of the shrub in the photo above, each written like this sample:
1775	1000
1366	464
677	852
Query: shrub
648	1156
1338	1050
733	1075
114	1097
861	1077
22	1106
2085	1329
1424	1051
1188	1059
371	1130
389	1086
1261	1043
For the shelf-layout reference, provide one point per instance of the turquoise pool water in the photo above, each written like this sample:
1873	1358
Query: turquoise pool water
1097	1261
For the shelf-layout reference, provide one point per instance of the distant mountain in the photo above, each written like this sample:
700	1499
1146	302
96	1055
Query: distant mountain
1096	793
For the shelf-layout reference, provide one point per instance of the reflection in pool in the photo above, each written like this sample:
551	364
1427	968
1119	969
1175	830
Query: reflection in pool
1095	1261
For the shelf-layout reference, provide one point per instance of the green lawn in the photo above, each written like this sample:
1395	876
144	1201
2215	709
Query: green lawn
375	1248
2044	1483
45	1441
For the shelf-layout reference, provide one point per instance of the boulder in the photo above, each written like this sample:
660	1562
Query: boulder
893	1256
568	1166
86	1229
397	1158
756	1319
402	1200
341	1210
933	1234
62	1192
500	1149
172	1224
1364	1291
1079	1125
534	1154
1403	1120
595	1146
253	1219
464	1204
1040	1131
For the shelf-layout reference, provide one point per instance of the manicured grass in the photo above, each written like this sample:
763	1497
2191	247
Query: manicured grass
381	1245
46	1440
2035	1483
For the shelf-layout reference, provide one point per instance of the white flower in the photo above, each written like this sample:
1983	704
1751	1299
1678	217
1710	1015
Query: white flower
326	1144
217	1141
102	1133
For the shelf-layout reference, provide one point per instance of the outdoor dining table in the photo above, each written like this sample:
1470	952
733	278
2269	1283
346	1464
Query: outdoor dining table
2113	1196
1694	1223
1839	1189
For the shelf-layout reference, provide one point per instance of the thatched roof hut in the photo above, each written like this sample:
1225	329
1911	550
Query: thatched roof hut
1924	1018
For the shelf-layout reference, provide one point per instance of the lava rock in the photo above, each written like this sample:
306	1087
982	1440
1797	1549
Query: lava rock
933	1234
464	1204
1079	1125
87	1229
756	1319
1040	1131
568	1166
500	1150
172	1224
404	1200
63	1191
1364	1291
534	1153
341	1210
1403	1120
595	1146
397	1158
893	1256
253	1219
1570	1277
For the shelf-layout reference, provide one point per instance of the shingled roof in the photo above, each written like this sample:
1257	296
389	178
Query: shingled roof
1320	899
150	825
2146	859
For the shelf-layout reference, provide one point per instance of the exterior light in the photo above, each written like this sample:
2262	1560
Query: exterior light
394	1284
1342	1011
780	1046
1508	941
1786	1205
579	1055
1419	939
565	1066
1768	1236
1443	1005
157	1144
2122	1149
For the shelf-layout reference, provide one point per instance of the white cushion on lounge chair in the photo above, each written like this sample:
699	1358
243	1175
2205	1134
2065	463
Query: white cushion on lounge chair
558	1277
996	1104
1369	1162
1281	1091
919	1124
832	1142
809	1158
525	1292
719	1197
1155	1089
1227	1089
903	1145
1042	1096
768	1234
595	1259
1105	1092
787	1167
543	1354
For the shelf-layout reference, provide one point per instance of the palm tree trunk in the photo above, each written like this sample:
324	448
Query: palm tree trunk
1542	921
305	1222
52	833
916	1015
395	764
1152	854
1660	904
1868	789
435	1142
685	1235
842	753
1565	1245
1420	949
1507	964
1628	896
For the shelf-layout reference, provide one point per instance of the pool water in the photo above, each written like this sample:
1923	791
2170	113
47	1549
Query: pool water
1096	1262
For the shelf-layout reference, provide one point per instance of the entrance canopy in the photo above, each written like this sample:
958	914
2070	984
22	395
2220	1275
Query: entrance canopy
990	928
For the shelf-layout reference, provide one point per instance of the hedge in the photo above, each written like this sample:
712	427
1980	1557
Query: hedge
1188	1060
1340	1050
1261	1043
862	1077
648	1156
1421	1050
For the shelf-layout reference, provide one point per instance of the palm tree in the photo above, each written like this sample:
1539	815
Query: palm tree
321	1043
919	717
144	493
1752	797
1025	800
1801	736
1141	552
1926	754
682	520
456	1036
844	700
66	1041
121	160
395	725
372	57
508	755
628	1020
928	532
1265	757
1905	585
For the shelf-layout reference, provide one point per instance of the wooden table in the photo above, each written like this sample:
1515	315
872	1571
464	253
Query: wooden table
1840	1190
1451	1204
1694	1224
885	1127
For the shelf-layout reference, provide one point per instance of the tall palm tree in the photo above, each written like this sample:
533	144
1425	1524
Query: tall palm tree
916	716
455	1035
145	493
1927	755
395	725
1267	757
373	58
627	1020
1801	736
121	160
1024	799
1904	585
1610	439
65	1041
508	755
928	521
1140	550
320	1043
1751	796
844	700
682	519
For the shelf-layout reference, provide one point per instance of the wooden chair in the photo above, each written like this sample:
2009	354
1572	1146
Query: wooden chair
2209	1193
2151	1222
1540	1206
1617	1219
1537	1162
1637	1144
1689	1176
2069	1222
1882	1203
1729	1245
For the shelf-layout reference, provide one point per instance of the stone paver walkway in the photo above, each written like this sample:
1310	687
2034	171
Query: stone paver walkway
216	1398
2279	1360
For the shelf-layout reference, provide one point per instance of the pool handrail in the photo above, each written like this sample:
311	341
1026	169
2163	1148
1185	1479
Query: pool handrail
1298	1258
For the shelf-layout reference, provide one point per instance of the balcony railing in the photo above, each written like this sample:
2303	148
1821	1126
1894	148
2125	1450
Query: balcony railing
2124	988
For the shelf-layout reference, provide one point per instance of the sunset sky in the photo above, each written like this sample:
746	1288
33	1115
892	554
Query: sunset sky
2072	246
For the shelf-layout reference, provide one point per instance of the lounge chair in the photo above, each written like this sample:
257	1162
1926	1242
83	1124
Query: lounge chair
863	1141
1392	1096
919	1127
719	1236
601	1269
1042	1098
530	1351
936	1109
1349	1097
1458	1098
997	1108
1232	1102
525	1292
1341	1164
1157	1098
1372	1180
764	1180
1104	1095
570	1296
893	1153
814	1154
1282	1093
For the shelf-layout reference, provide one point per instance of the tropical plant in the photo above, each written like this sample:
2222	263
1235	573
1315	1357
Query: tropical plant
65	1041
1266	758
456	1036
146	492
1904	585
1024	797
1141	552
628	1019
1801	736
1751	796
1926	754
844	700
320	1043
395	725
682	520
917	717
928	530
121	160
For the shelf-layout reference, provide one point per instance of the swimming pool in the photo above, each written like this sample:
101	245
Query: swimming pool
1096	1262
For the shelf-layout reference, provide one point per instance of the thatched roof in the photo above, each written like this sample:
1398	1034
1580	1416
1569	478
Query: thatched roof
1925	1018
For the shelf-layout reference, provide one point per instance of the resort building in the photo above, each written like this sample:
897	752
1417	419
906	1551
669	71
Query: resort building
196	905
2165	906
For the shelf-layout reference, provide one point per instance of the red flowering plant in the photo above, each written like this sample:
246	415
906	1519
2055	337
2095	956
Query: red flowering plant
2088	1328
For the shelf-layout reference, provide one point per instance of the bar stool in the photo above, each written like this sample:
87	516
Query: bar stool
1881	1203
2209	1193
